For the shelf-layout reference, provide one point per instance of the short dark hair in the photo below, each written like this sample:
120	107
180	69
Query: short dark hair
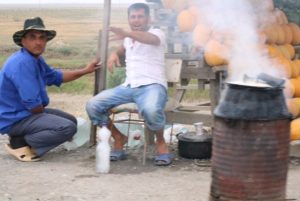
137	6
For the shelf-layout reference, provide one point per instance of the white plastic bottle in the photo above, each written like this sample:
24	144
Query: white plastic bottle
103	150
81	137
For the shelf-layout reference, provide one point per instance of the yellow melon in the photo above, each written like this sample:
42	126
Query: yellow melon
194	10
269	4
167	4
295	129
176	5
291	50
201	35
295	70
296	84
284	51
288	34
186	21
296	33
271	34
289	89
280	35
297	62
273	51
293	107
284	66
215	53
297	101
280	16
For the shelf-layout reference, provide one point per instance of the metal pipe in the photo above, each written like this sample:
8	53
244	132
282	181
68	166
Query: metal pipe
100	74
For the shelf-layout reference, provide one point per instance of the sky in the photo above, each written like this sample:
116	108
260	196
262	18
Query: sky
65	1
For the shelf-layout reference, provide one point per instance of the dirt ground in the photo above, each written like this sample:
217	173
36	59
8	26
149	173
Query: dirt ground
70	175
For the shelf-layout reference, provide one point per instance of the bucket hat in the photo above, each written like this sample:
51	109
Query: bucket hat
35	23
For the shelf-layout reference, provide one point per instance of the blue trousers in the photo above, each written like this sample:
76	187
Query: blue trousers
45	131
150	99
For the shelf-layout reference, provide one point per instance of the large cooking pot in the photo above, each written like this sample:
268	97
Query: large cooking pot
193	146
245	101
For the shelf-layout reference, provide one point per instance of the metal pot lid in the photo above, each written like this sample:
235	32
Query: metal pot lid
192	137
263	80
250	84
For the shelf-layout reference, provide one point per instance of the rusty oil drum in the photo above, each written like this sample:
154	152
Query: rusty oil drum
250	146
250	160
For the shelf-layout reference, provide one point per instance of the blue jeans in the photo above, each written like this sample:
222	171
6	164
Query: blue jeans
150	99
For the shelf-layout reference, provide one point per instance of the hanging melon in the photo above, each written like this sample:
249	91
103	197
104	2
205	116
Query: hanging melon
297	62
296	84
297	101
280	35
201	35
296	33
288	34
284	51
280	16
176	5
292	107
215	53
273	51
186	21
284	66
271	34
291	50
295	70
295	129
167	4
194	10
289	89
269	5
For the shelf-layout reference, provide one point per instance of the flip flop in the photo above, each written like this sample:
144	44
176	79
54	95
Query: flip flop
22	154
164	159
117	155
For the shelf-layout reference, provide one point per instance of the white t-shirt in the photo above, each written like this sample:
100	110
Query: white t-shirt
145	64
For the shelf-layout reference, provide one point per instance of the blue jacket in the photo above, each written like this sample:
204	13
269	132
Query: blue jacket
23	81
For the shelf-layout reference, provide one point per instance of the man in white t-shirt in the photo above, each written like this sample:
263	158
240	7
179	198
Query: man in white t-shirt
145	84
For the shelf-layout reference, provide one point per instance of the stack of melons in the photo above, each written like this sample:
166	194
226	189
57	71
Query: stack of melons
277	35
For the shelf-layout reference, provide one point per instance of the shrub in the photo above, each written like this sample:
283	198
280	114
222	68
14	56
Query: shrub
116	78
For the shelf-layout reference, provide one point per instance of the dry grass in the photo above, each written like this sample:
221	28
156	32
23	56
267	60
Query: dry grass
76	40
77	28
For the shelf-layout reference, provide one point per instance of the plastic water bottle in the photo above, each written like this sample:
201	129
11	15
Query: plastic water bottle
103	150
81	137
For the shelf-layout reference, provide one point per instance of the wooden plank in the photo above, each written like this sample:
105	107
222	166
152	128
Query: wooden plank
204	103
216	69
198	73
193	108
190	86
183	56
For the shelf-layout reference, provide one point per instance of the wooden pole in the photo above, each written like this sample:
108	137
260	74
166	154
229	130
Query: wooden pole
100	75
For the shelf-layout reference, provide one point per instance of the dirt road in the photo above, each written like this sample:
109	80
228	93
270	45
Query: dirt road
70	175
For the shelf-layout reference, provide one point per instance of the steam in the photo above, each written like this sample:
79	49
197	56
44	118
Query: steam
238	22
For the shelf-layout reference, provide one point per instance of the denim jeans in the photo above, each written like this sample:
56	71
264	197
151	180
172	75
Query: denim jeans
150	99
45	131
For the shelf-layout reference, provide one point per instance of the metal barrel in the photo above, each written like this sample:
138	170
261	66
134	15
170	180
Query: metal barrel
250	160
